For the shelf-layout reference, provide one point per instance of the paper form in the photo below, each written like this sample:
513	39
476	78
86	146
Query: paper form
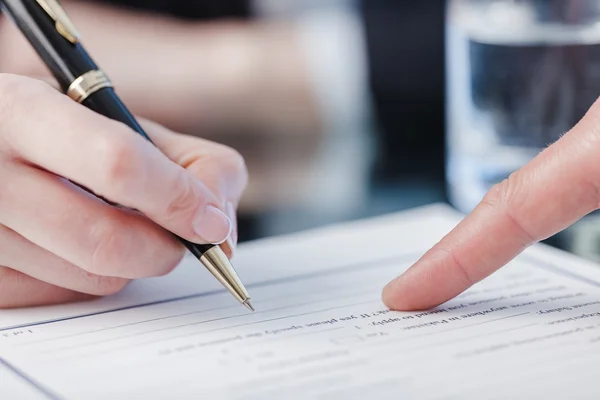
15	386
532	330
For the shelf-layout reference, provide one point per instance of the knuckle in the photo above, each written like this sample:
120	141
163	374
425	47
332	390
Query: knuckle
235	163
465	274
509	199
110	248
117	153
497	195
508	194
107	286
119	254
184	201
231	163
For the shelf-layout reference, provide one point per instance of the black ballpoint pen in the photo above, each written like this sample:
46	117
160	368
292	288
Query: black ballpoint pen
50	31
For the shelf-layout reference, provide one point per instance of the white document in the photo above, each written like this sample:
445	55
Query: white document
530	331
14	385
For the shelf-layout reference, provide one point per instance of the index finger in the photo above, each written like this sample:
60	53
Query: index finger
558	187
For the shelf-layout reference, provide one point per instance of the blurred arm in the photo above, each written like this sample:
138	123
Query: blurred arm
221	76
268	88
331	37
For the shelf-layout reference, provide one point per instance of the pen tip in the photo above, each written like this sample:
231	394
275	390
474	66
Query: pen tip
248	305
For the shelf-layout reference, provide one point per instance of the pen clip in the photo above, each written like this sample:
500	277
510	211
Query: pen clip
64	26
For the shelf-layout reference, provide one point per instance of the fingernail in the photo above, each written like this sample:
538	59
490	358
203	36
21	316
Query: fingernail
232	238
212	225
231	245
232	214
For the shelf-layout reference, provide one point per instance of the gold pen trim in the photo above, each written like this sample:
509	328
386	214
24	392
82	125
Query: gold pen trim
63	23
87	84
218	264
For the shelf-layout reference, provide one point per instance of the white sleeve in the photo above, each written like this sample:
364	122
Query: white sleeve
333	40
331	35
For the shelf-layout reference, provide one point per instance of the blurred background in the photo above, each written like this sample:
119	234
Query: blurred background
346	109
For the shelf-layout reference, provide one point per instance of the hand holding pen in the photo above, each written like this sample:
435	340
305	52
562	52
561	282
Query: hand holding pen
59	243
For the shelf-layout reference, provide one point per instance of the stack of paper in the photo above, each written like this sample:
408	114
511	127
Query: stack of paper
532	330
